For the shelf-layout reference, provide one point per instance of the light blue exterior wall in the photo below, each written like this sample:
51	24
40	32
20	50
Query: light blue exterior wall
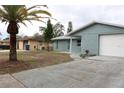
90	36
75	48
63	45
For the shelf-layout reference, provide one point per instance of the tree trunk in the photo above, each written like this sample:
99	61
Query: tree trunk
13	53
48	47
12	30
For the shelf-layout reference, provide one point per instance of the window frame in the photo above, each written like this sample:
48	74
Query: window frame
78	42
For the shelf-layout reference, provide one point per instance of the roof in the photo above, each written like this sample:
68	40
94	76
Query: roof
67	36
4	41
92	23
28	38
64	38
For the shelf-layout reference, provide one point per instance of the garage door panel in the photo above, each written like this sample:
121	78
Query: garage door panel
112	45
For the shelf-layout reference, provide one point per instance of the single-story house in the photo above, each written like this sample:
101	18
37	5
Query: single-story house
25	43
29	43
4	44
98	38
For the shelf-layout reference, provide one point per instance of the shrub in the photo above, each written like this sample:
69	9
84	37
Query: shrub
87	54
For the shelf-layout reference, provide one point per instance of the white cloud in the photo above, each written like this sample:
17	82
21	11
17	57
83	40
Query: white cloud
78	14
63	2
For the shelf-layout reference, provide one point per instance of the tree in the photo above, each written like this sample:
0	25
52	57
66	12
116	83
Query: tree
7	38
51	31
58	30
15	14
70	27
48	33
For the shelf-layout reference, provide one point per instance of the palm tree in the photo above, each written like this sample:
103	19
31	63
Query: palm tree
15	14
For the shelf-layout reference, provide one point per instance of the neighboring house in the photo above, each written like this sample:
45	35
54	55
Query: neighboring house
29	43
26	43
97	37
4	44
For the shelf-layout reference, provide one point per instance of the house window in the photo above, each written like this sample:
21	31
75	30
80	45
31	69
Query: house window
78	42
57	44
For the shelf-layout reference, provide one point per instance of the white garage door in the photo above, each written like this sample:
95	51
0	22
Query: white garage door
112	45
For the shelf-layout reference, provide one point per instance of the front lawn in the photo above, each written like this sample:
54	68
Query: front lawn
30	60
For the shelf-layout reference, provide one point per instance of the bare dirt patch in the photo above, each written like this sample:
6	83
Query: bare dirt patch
30	60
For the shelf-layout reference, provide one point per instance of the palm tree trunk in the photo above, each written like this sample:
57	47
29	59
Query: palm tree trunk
12	30
13	53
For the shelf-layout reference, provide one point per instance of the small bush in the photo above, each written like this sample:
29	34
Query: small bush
85	55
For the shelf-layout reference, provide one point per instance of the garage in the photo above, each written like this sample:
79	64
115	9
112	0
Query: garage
111	45
98	38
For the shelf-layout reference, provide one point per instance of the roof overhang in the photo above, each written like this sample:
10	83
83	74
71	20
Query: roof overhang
92	23
65	38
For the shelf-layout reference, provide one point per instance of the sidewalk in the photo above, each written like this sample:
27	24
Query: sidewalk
8	81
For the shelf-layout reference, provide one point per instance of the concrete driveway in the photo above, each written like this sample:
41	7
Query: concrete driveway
95	72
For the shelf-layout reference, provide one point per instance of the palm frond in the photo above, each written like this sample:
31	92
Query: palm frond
19	13
11	11
39	12
34	19
23	23
35	6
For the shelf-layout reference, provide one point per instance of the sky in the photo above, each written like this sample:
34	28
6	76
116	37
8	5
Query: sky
79	14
